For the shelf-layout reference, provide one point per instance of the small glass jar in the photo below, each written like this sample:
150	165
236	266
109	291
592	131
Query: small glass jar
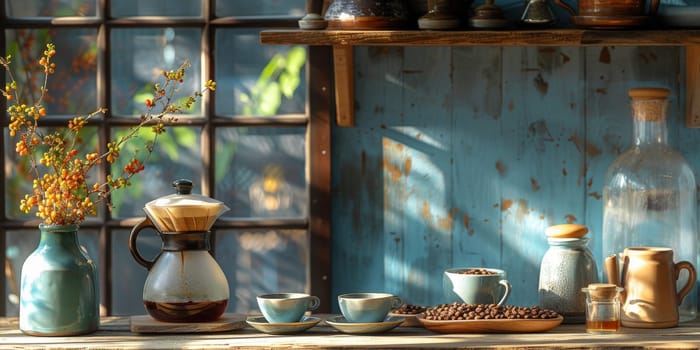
602	308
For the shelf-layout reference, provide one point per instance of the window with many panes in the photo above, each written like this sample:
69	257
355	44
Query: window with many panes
249	145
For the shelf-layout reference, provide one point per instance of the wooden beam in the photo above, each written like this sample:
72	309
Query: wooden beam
692	86
343	62
319	177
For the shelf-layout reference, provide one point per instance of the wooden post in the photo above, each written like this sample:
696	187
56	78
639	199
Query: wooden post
692	86
344	85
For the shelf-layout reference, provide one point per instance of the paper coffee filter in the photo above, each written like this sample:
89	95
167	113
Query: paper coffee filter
184	212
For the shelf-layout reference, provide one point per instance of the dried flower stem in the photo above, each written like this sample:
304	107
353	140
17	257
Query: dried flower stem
61	195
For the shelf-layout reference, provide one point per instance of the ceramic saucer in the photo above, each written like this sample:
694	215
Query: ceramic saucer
410	320
261	324
343	325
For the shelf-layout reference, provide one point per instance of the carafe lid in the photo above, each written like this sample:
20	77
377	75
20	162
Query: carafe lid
184	211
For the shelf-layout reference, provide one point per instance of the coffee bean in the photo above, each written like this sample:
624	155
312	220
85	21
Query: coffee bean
409	309
460	311
476	272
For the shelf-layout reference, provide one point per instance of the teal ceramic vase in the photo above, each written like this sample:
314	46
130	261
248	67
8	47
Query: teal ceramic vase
59	292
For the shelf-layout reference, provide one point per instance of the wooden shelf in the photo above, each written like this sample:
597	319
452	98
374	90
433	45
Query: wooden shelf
344	40
553	37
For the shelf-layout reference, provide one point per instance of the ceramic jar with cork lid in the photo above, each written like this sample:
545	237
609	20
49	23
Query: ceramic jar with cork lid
566	267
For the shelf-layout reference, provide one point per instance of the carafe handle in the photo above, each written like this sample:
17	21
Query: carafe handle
691	278
567	7
145	223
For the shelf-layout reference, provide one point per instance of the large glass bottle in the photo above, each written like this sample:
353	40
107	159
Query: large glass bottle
649	192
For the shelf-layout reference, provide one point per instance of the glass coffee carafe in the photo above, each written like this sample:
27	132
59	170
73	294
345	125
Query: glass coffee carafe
184	282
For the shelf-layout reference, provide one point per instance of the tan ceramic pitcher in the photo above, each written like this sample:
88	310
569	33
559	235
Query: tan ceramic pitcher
649	276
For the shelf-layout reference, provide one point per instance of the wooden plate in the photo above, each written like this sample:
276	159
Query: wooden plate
147	324
492	326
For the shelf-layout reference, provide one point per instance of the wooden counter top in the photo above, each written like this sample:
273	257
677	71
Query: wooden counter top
114	334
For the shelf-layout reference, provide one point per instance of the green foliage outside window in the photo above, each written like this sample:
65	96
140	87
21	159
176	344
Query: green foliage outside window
280	78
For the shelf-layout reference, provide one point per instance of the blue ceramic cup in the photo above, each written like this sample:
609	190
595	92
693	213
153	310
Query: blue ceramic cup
367	307
286	307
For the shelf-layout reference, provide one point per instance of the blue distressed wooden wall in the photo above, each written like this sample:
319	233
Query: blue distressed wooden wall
463	156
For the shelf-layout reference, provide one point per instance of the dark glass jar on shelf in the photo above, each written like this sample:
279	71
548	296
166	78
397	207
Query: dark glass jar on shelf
368	14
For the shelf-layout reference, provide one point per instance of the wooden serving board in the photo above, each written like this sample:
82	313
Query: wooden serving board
147	324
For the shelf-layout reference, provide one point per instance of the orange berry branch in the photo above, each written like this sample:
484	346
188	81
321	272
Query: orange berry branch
60	191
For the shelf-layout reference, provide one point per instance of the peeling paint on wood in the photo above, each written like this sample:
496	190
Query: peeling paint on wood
565	58
501	168
407	163
541	85
394	170
506	204
570	218
523	210
604	55
445	223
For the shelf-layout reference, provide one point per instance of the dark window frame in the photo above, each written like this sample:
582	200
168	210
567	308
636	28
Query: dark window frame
316	119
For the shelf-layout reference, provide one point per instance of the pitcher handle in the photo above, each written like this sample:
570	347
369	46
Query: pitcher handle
653	7
506	293
567	7
145	223
691	278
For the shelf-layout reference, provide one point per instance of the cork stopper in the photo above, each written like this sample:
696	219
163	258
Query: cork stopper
602	291
566	231
649	93
649	104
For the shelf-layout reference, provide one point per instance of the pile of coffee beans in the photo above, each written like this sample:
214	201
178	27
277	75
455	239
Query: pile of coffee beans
458	311
409	309
476	272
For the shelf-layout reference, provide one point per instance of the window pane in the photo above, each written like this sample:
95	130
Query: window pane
226	8
266	80
177	155
18	174
260	171
124	8
138	58
261	261
129	276
22	243
51	8
72	88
